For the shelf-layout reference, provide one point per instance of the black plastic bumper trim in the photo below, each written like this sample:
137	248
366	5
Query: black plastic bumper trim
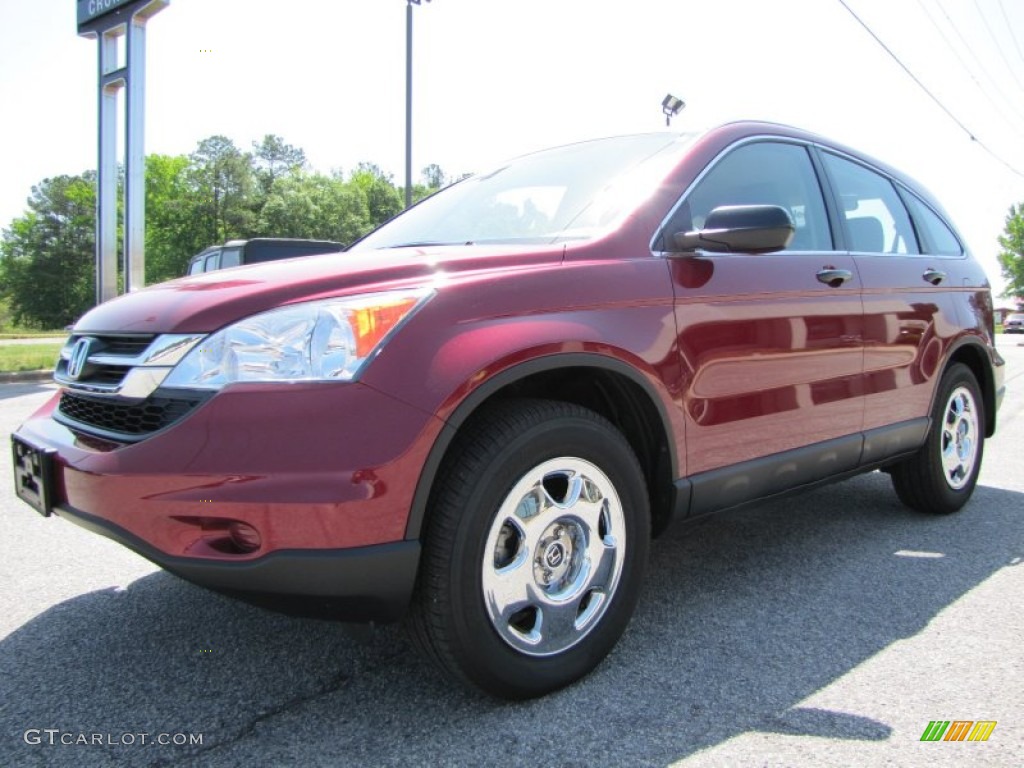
360	584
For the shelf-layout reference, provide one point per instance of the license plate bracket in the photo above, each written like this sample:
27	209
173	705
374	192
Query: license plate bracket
33	474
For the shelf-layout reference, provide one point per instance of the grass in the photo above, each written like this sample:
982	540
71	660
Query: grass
35	335
28	357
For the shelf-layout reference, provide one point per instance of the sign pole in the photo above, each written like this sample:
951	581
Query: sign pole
109	21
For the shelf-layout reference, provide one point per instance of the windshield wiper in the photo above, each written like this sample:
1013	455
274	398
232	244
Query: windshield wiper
428	244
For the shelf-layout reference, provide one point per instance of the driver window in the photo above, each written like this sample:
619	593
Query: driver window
764	173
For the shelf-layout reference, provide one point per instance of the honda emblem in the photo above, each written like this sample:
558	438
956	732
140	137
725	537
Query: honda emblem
79	357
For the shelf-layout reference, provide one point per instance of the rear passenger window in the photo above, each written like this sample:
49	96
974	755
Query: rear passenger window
230	257
876	220
765	173
936	236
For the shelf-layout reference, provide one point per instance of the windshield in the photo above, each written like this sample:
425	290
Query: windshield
568	193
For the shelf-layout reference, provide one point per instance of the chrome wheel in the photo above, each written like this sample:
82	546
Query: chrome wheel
940	477
535	549
959	442
553	556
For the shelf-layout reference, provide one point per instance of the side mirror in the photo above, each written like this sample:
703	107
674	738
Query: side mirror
740	229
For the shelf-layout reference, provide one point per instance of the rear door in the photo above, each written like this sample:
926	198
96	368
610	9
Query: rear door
910	312
770	344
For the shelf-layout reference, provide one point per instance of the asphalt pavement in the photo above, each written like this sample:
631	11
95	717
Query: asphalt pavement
827	629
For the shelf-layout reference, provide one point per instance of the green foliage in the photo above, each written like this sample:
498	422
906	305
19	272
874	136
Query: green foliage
47	255
1011	258
6	315
315	206
222	184
382	198
274	158
217	193
171	235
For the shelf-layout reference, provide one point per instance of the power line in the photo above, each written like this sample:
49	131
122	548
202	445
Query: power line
931	95
974	56
999	46
1013	35
970	73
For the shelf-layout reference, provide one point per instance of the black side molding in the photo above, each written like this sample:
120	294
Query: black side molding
796	470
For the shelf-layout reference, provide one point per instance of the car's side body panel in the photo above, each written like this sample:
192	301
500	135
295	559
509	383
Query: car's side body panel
909	326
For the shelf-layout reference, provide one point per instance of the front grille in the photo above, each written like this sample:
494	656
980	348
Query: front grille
126	346
126	422
111	372
111	385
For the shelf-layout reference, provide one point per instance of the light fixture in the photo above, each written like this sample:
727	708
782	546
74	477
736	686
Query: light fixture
408	98
671	106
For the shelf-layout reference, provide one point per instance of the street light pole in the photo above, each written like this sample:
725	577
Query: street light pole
408	100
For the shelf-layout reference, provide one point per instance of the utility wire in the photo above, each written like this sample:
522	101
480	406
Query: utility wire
932	96
1013	35
974	56
996	105
999	45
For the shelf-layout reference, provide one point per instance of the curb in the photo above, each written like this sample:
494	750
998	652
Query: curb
18	377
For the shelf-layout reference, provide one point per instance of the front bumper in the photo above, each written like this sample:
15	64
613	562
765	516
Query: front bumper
371	583
325	473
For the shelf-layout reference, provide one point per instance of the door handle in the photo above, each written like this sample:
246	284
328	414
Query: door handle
833	277
933	276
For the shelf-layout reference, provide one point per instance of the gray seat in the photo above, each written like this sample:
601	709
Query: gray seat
866	234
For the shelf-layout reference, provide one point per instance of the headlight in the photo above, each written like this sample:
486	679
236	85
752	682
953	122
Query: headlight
327	340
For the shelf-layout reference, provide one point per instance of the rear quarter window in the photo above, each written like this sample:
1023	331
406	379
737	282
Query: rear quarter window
935	235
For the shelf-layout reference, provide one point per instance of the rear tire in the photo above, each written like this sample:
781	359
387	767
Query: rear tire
941	476
535	549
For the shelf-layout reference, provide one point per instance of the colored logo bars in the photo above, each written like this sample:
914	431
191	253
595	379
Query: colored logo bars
958	730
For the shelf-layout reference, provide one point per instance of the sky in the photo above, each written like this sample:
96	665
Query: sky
497	79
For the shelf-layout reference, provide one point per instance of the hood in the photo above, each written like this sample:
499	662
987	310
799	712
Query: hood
207	302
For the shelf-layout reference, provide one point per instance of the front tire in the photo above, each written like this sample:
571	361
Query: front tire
535	549
941	476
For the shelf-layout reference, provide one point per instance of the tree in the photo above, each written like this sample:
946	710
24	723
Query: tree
434	177
1011	259
315	206
171	235
273	158
222	186
47	255
383	200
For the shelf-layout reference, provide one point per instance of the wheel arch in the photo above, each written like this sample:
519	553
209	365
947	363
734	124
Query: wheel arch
603	384
975	356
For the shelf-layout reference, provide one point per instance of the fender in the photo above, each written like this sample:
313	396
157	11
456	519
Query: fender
990	381
478	396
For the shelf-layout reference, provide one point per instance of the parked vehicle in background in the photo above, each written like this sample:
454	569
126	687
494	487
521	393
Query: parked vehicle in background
1014	323
235	253
478	418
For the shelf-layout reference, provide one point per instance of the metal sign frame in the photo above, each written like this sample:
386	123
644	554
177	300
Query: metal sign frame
108	20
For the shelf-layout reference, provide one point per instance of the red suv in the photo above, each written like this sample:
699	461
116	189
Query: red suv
480	416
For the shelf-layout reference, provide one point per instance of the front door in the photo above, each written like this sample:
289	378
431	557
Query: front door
771	344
